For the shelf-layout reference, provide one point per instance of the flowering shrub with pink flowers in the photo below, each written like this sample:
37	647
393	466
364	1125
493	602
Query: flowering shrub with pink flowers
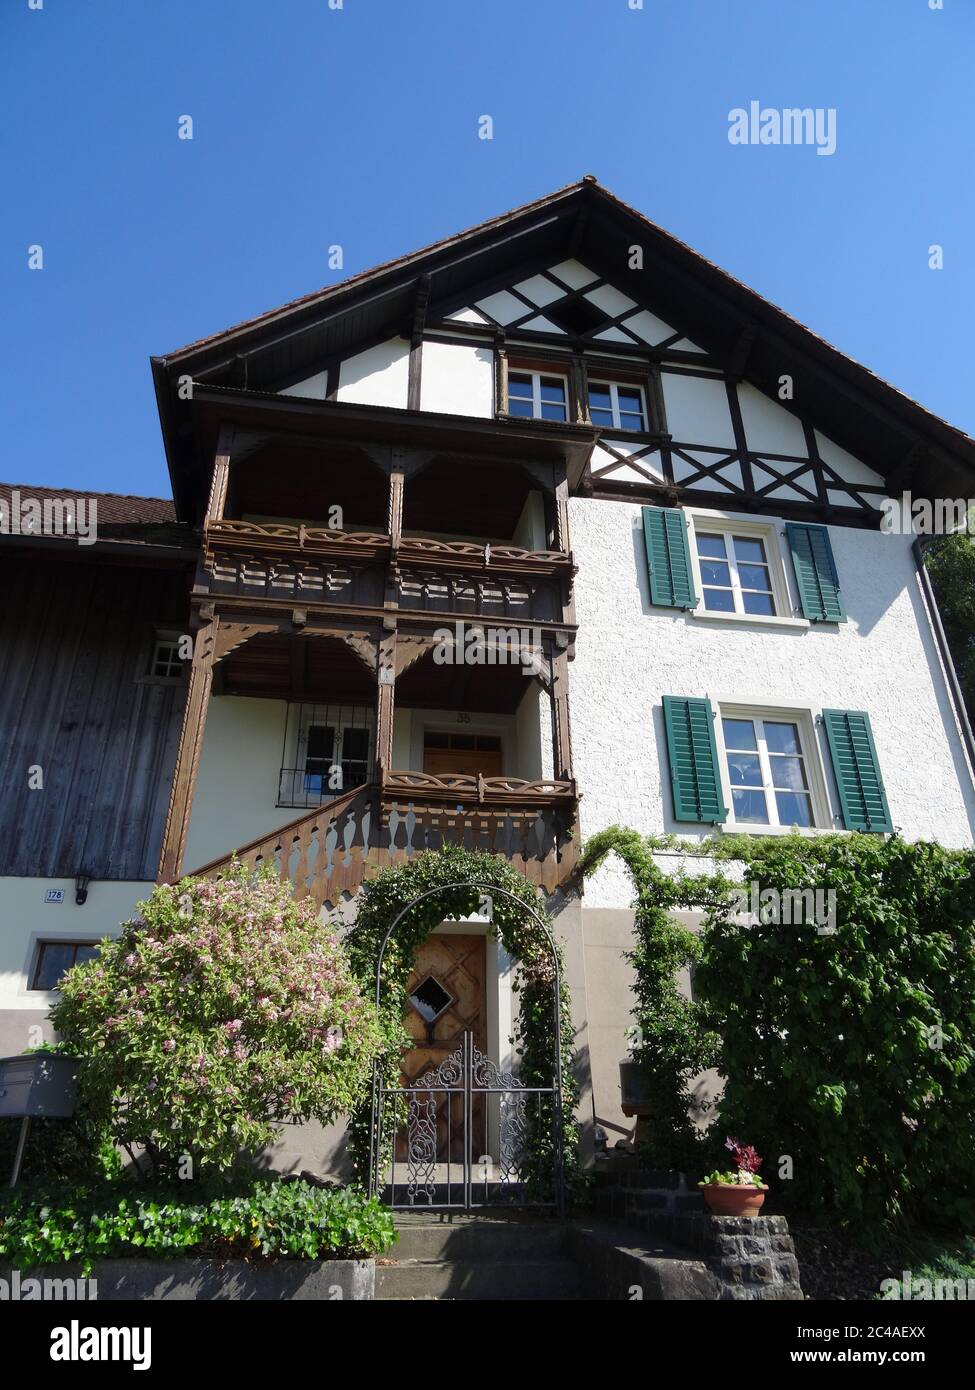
226	1009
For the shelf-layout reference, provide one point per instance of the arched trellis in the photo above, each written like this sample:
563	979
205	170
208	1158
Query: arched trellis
482	886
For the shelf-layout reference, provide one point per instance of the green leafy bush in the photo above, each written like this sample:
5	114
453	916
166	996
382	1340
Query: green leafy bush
225	1010
258	1217
852	1051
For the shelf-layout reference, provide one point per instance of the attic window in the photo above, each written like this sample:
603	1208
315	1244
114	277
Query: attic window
576	316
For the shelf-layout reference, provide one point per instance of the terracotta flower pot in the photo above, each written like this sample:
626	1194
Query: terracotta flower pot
723	1199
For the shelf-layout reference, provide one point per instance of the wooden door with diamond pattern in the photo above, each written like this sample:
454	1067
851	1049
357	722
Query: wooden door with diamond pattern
448	999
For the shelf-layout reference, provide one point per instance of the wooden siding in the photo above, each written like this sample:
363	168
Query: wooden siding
75	638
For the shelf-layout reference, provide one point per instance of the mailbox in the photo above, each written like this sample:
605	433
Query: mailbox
38	1085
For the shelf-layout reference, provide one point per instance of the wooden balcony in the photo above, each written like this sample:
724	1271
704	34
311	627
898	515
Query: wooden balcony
328	852
313	565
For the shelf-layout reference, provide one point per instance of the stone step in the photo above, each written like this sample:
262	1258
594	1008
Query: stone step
478	1238
513	1280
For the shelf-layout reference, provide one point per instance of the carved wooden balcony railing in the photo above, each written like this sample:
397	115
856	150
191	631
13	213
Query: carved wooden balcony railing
328	852
315	564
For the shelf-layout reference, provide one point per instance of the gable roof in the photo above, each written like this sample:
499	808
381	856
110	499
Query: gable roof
733	323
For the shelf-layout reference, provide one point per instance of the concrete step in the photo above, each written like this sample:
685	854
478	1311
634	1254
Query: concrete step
515	1280
479	1238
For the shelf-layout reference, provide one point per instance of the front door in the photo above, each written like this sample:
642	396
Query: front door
470	753
447	999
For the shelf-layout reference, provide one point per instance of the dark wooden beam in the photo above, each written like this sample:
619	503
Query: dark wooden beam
420	302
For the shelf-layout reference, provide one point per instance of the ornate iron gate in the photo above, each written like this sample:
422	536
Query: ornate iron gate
443	1150
412	1163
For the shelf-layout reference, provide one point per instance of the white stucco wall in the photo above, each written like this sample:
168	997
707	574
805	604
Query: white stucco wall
236	790
25	919
883	660
457	379
378	376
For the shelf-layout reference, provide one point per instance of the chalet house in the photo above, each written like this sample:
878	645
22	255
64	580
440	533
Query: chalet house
549	526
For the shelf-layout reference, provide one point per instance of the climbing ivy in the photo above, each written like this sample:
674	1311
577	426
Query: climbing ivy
380	901
671	1039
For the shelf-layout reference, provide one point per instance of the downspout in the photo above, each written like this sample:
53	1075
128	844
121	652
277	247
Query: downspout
951	675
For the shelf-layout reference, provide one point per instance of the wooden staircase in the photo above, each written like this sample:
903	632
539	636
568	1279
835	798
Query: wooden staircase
328	852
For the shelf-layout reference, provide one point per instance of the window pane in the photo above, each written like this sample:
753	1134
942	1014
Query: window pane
740	733
789	774
719	600
55	959
630	401
321	745
744	769
793	808
782	738
519	385
754	577
631	422
716	572
600	398
759	603
752	552
750	806
353	773
553	412
519	407
355	743
435	741
711	545
552	388
600	417
84	953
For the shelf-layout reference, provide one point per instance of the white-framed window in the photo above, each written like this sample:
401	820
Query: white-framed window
617	405
739	570
771	768
166	664
336	759
538	395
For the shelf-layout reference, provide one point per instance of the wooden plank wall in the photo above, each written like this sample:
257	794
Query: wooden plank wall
74	639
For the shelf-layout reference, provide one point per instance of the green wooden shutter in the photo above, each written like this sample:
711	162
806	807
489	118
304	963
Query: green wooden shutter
668	558
815	570
693	755
863	800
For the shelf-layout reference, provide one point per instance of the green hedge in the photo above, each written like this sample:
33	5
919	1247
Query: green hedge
851	1053
262	1217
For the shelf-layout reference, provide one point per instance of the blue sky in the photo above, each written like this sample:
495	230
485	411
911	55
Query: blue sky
358	126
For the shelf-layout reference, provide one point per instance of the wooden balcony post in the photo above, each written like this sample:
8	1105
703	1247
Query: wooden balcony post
396	488
188	754
561	733
385	699
221	475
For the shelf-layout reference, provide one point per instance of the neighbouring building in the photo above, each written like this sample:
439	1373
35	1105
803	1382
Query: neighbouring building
558	462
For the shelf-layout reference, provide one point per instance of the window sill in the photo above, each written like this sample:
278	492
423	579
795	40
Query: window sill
807	832
758	619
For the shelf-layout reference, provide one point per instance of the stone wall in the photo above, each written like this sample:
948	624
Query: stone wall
751	1257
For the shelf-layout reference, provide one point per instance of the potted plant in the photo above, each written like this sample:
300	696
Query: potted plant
738	1191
